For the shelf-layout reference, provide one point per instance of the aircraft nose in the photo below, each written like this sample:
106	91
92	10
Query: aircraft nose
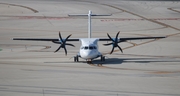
87	54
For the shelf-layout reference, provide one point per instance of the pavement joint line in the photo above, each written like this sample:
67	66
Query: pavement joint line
172	9
101	19
142	17
35	11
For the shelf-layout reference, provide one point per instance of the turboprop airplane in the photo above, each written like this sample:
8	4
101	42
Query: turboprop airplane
89	47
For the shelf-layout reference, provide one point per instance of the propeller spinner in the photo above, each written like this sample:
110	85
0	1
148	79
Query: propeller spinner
114	43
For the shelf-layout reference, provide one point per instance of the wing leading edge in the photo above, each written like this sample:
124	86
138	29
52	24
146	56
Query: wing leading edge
42	39
133	38
101	39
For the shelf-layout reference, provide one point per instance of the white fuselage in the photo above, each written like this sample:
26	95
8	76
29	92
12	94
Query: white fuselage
89	48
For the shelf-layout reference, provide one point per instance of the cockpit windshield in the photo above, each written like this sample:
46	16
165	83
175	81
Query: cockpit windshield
88	47
85	47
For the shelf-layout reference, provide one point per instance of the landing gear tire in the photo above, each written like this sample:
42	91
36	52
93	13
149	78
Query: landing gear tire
89	61
102	58
76	59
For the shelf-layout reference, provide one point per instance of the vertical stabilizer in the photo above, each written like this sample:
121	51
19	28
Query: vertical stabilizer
89	24
89	20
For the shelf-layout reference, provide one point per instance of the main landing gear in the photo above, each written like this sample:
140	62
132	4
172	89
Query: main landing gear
102	58
76	58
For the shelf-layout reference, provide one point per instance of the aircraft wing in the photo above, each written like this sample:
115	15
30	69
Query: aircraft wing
35	39
60	41
101	39
42	39
117	40
131	38
63	43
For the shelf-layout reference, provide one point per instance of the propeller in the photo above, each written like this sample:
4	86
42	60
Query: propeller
63	43
114	43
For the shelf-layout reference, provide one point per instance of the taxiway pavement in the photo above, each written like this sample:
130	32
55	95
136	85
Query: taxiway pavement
145	68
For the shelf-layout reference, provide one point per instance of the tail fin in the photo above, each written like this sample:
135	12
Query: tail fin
89	20
89	23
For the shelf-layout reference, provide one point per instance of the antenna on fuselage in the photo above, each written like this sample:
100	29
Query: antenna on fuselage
89	19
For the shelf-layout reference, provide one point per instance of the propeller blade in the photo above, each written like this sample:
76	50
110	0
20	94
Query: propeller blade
57	49
67	37
57	42
70	44
65	50
117	36
108	44
60	36
112	50
110	37
120	48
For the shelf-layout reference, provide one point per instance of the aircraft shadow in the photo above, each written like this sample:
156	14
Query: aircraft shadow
133	60
124	61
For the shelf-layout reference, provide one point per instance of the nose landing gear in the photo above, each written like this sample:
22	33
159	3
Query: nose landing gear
89	61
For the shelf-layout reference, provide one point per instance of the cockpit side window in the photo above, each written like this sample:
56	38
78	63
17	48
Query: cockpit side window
91	47
94	47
